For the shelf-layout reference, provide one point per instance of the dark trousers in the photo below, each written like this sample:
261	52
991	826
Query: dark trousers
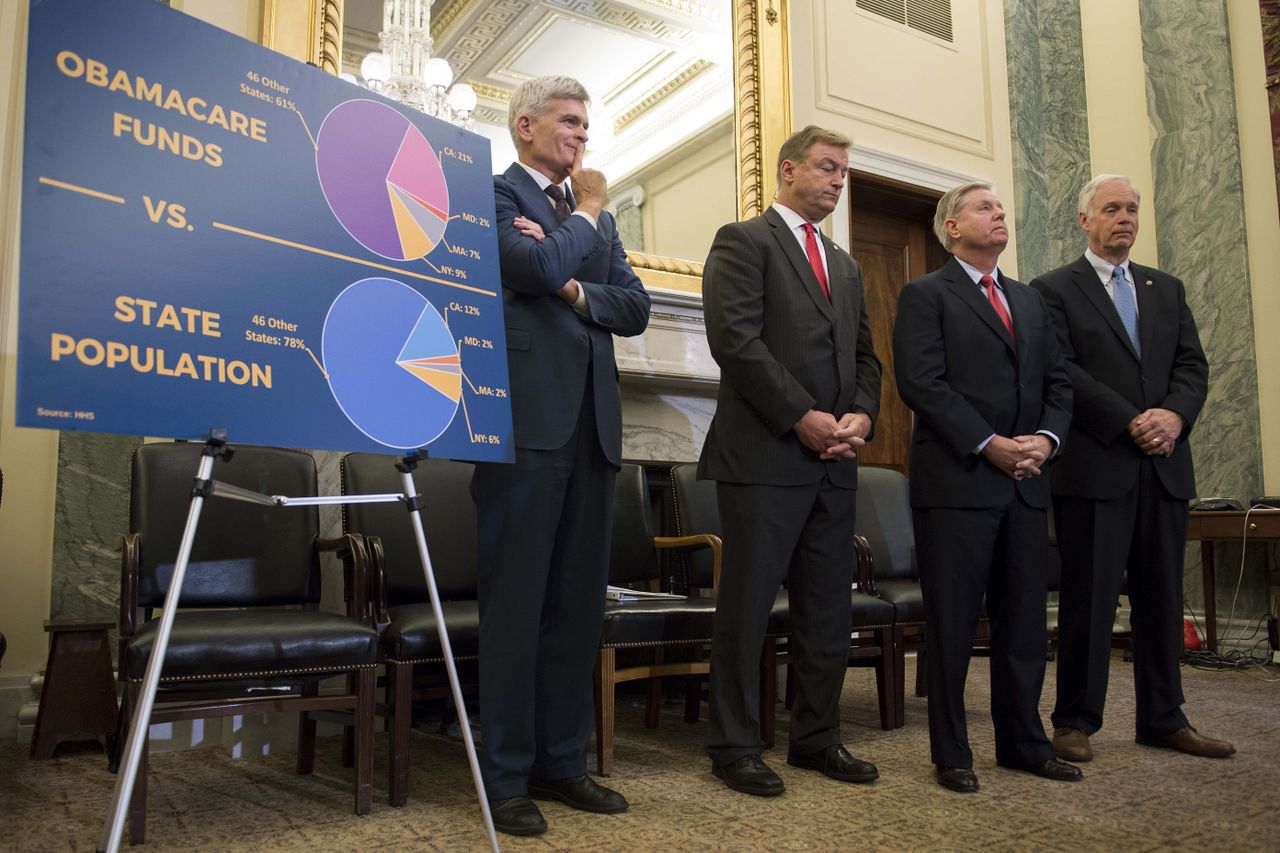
1142	532
964	554
544	526
803	534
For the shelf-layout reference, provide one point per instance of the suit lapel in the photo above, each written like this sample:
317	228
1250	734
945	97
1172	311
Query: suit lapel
971	294
1086	279
1020	301
839	277
1148	297
534	203
800	262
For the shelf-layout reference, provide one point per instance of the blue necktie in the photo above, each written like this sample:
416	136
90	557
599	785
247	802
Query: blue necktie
1122	296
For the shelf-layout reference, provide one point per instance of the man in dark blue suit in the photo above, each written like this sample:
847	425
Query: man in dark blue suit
544	523
978	362
1120	496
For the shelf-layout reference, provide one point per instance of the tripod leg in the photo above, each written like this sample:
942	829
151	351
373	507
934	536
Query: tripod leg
446	648
136	743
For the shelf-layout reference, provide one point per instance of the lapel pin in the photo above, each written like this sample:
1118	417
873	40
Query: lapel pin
1149	282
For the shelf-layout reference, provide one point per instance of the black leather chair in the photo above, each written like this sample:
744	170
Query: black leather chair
249	622
888	569
646	632
695	510
410	644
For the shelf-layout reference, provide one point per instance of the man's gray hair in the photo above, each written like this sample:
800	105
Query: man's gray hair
1091	189
533	98
799	144
949	207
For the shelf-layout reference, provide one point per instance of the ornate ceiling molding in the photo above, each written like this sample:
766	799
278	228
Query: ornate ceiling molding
635	111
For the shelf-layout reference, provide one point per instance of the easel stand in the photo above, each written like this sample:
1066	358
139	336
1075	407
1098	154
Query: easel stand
206	486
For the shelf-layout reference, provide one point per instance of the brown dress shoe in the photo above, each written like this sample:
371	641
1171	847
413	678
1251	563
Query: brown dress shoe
1071	744
962	780
1190	741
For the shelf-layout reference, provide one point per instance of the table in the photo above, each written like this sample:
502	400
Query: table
1226	526
78	699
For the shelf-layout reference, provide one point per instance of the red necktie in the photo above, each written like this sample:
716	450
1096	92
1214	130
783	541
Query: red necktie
990	284
815	259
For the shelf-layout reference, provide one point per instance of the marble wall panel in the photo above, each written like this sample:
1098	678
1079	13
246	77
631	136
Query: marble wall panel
1199	212
91	514
1049	128
663	425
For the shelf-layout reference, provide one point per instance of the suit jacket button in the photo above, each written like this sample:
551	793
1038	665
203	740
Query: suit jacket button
582	338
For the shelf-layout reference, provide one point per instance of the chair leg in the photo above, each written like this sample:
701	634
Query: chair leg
138	802
366	680
653	699
886	681
768	691
922	665
692	698
307	734
400	699
606	662
115	751
899	676
349	732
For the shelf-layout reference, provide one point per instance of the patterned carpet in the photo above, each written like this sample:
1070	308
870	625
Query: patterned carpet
1133	798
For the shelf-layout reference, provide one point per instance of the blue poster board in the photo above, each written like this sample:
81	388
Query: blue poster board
214	235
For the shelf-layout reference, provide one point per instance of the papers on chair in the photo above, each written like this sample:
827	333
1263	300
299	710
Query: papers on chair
622	593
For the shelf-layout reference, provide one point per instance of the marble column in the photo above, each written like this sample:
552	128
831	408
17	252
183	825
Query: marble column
91	514
1050	129
1198	206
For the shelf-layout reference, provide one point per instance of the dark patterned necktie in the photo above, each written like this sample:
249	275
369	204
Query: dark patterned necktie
562	203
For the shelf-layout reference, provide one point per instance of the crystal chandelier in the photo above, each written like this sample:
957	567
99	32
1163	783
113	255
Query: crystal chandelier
405	70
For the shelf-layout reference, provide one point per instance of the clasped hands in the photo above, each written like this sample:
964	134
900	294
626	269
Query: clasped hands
831	438
1021	456
1156	431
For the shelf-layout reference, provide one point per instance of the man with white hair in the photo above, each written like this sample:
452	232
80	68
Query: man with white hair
544	523
1121	490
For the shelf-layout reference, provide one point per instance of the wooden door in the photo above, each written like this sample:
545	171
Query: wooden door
892	241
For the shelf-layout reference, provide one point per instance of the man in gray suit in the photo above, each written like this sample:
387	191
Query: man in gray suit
544	523
799	392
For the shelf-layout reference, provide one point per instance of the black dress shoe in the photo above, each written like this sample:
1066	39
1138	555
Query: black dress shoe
959	779
750	775
836	762
517	816
1051	768
580	792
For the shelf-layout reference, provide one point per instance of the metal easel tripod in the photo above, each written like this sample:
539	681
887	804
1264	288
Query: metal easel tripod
205	487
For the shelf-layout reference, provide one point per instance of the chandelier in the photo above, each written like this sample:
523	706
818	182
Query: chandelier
404	69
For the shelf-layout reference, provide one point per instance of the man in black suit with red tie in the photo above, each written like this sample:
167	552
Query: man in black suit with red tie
799	391
544	523
978	363
1121	492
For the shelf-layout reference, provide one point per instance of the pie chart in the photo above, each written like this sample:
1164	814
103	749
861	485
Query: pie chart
392	362
382	179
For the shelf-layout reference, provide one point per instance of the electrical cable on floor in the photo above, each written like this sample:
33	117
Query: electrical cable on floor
1253	660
